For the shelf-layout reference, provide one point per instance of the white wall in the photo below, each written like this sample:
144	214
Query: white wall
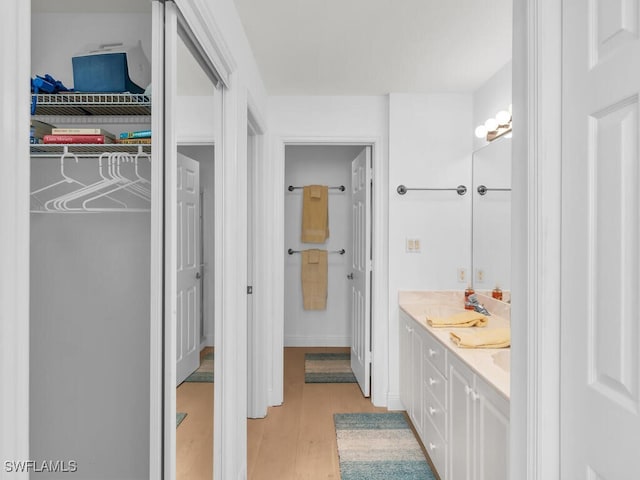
429	146
489	99
328	116
89	375
323	165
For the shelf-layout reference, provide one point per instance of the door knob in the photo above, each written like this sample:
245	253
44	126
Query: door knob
350	276
198	275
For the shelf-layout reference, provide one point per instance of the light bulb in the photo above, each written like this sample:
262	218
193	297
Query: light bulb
503	117
481	131
491	124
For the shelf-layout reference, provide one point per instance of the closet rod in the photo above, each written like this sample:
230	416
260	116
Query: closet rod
341	188
341	251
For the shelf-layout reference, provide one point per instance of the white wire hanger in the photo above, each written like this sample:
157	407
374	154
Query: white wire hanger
113	191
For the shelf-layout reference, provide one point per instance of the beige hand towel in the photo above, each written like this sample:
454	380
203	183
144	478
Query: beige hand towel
486	338
467	318
315	214
314	279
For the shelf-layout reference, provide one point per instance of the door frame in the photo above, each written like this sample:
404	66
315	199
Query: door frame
229	456
536	221
257	401
380	283
15	31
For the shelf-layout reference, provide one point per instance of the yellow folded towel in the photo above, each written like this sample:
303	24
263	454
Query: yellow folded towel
314	256
315	214
468	318
487	338
314	279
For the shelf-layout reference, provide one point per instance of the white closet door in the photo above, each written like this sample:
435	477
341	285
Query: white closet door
600	371
361	284
188	268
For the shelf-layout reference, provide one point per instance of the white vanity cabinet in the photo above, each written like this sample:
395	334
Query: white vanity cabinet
411	348
435	405
462	420
479	425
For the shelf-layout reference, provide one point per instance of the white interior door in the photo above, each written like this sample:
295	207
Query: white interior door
600	371
188	268
360	289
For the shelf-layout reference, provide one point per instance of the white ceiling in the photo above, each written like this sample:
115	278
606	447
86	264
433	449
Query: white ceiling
371	47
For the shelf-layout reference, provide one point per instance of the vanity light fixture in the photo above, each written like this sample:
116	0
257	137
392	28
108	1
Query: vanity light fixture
495	127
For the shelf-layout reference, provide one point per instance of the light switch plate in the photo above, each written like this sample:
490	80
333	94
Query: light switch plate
412	245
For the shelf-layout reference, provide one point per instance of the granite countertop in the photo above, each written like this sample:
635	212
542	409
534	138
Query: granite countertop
492	364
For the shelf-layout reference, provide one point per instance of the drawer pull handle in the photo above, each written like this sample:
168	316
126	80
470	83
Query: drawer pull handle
432	381
475	396
467	389
432	352
432	411
431	446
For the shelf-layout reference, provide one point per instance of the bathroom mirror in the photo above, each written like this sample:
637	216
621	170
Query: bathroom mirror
491	216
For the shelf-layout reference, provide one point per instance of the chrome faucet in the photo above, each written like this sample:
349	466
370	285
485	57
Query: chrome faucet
477	306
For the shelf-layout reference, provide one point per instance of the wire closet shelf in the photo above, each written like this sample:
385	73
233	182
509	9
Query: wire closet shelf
113	104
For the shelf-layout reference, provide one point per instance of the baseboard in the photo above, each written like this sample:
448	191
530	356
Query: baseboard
207	341
394	402
273	402
317	341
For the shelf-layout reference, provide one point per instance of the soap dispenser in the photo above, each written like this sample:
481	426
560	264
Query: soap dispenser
497	293
467	292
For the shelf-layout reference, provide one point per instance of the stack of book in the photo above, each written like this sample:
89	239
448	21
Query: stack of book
38	131
140	137
79	135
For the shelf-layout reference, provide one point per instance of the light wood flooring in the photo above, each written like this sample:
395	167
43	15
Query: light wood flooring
296	441
194	436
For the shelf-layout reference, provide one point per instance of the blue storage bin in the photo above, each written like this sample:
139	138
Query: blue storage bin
103	73
111	68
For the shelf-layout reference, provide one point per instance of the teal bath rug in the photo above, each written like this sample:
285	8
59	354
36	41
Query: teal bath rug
179	417
328	368
204	373
379	446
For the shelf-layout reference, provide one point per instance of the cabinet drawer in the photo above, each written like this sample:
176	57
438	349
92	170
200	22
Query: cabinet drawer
436	447
436	413
435	383
435	353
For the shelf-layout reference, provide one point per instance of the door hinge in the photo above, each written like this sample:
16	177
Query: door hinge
249	290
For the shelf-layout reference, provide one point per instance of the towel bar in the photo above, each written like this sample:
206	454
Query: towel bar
482	189
341	251
460	189
341	188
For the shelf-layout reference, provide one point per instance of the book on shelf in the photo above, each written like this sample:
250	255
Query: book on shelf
39	129
35	140
136	134
82	131
134	141
77	139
